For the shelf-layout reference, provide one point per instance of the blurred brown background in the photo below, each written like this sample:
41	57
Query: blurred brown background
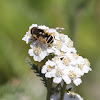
81	20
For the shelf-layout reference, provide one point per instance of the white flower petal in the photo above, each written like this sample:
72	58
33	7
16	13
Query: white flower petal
66	79
31	52
77	81
86	69
44	69
64	48
27	38
48	75
57	79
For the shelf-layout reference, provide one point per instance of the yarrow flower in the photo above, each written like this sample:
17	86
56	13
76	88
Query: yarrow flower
63	67
68	96
38	51
66	65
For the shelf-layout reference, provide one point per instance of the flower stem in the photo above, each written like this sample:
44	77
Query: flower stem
49	87
62	93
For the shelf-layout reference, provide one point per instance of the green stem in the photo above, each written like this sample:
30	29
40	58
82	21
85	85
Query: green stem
62	93
49	87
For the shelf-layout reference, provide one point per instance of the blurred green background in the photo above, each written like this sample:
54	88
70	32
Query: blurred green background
81	20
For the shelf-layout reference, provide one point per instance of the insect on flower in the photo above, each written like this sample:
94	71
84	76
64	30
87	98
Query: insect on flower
42	35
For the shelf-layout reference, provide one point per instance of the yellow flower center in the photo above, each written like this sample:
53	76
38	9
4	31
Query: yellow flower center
80	66
56	59
50	68
37	50
75	55
59	72
87	62
62	53
53	34
58	44
66	61
72	75
62	37
70	44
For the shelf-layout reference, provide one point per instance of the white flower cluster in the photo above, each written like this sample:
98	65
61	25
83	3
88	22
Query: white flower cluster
68	96
66	65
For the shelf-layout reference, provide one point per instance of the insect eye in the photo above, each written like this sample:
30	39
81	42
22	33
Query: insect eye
33	30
